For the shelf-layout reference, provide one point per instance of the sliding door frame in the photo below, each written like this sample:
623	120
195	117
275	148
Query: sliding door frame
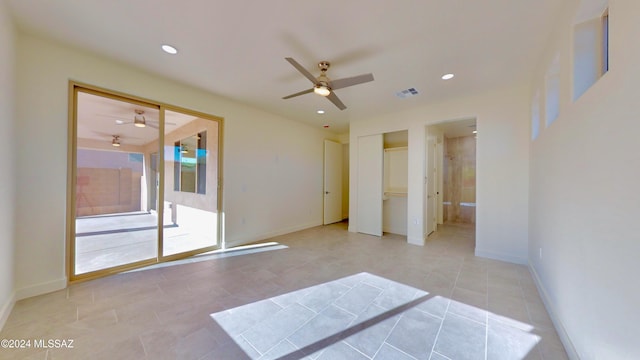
220	233
70	258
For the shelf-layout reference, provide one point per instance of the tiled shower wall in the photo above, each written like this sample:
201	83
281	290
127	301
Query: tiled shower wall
459	184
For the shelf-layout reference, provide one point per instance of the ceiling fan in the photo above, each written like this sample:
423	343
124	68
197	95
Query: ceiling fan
138	120
323	86
115	141
115	138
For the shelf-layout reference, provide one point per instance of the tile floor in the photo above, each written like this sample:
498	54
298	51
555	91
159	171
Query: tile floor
329	295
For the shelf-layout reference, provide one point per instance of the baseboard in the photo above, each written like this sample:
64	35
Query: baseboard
501	257
6	308
265	236
562	333
415	241
40	289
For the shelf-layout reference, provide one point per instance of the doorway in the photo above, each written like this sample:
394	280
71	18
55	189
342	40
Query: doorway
333	182
125	208
395	182
450	196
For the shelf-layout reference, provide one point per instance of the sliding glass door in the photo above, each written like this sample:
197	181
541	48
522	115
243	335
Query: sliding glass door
143	183
190	184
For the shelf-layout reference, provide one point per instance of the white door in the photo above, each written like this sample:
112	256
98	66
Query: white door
332	182
431	183
370	176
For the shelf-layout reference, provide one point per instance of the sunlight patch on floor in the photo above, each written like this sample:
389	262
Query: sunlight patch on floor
365	316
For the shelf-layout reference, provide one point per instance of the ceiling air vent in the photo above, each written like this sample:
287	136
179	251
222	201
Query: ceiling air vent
407	93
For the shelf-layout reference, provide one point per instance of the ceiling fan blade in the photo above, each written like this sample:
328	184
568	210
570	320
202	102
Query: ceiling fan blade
152	125
109	116
155	122
111	135
299	93
334	99
350	81
302	70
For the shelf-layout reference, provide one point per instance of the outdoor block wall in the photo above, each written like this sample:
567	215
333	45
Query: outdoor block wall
106	191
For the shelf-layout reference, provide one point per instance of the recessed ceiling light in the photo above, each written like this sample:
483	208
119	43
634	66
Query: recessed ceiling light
169	49
475	131
447	76
320	112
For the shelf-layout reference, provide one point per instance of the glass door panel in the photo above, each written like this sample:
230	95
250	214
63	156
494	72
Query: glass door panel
191	148
115	224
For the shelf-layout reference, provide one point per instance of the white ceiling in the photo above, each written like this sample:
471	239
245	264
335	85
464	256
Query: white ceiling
236	49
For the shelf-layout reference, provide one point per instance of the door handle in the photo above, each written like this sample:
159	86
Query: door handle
326	193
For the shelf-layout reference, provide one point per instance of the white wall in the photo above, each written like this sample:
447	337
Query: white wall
585	201
345	181
502	166
272	166
7	164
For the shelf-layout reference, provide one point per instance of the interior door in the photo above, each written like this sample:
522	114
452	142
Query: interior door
370	184
332	182
430	183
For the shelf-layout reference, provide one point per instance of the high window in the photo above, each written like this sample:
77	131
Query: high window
590	52
535	115
552	91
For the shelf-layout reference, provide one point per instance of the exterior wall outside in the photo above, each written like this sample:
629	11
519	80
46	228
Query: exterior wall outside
209	200
107	191
108	182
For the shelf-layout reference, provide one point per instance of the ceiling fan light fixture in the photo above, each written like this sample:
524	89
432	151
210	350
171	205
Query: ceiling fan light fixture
323	86
322	90
116	141
139	120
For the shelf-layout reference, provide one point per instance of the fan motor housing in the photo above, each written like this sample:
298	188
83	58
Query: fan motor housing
324	65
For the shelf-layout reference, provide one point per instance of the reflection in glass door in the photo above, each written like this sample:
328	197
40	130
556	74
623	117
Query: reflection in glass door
191	184
114	224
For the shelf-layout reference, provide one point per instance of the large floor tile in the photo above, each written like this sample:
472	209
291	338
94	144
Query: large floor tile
323	293
461	338
415	333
